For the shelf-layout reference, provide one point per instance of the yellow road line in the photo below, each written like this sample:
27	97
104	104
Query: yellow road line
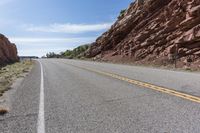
144	84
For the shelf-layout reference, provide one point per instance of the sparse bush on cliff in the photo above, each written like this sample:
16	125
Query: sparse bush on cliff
70	54
52	55
76	53
122	13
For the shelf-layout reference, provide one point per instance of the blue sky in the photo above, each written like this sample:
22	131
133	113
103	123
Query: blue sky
41	26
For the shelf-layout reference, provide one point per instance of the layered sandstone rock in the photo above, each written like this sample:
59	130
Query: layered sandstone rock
154	31
8	51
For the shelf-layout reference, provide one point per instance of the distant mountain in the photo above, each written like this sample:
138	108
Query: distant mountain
8	51
154	32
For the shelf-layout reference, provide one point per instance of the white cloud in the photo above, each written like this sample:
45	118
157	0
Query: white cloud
40	46
41	51
42	40
69	28
51	40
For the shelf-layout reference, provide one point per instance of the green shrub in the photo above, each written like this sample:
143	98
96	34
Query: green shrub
122	12
70	54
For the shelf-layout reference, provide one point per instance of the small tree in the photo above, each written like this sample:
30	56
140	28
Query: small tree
122	12
51	55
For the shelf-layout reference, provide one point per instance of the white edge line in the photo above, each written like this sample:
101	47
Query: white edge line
41	121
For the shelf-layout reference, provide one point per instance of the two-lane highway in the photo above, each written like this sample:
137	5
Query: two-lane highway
69	96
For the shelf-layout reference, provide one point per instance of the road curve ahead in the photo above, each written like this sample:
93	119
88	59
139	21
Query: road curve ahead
69	96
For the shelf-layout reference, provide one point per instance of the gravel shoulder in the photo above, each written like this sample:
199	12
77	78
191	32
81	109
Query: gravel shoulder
10	77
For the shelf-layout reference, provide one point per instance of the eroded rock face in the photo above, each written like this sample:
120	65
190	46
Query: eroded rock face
153	31
8	51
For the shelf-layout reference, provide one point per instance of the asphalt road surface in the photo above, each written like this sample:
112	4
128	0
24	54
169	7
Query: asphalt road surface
68	96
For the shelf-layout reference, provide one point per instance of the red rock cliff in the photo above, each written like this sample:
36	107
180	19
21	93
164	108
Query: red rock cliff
154	31
8	51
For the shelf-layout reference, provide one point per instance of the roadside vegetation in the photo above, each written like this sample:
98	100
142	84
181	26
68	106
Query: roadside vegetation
77	53
11	72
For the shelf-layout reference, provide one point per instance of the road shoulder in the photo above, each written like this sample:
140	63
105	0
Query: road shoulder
14	77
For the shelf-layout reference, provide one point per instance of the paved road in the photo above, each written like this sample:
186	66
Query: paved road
81	97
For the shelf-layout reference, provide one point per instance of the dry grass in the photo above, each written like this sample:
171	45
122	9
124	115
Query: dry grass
11	72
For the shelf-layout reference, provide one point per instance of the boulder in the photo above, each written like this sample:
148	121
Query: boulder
8	51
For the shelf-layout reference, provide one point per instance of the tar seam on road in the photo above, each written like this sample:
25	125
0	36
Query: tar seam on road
41	121
144	84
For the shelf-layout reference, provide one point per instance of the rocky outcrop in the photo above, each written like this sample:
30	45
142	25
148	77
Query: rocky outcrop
8	51
153	31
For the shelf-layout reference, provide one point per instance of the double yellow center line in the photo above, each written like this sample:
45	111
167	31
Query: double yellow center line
144	84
